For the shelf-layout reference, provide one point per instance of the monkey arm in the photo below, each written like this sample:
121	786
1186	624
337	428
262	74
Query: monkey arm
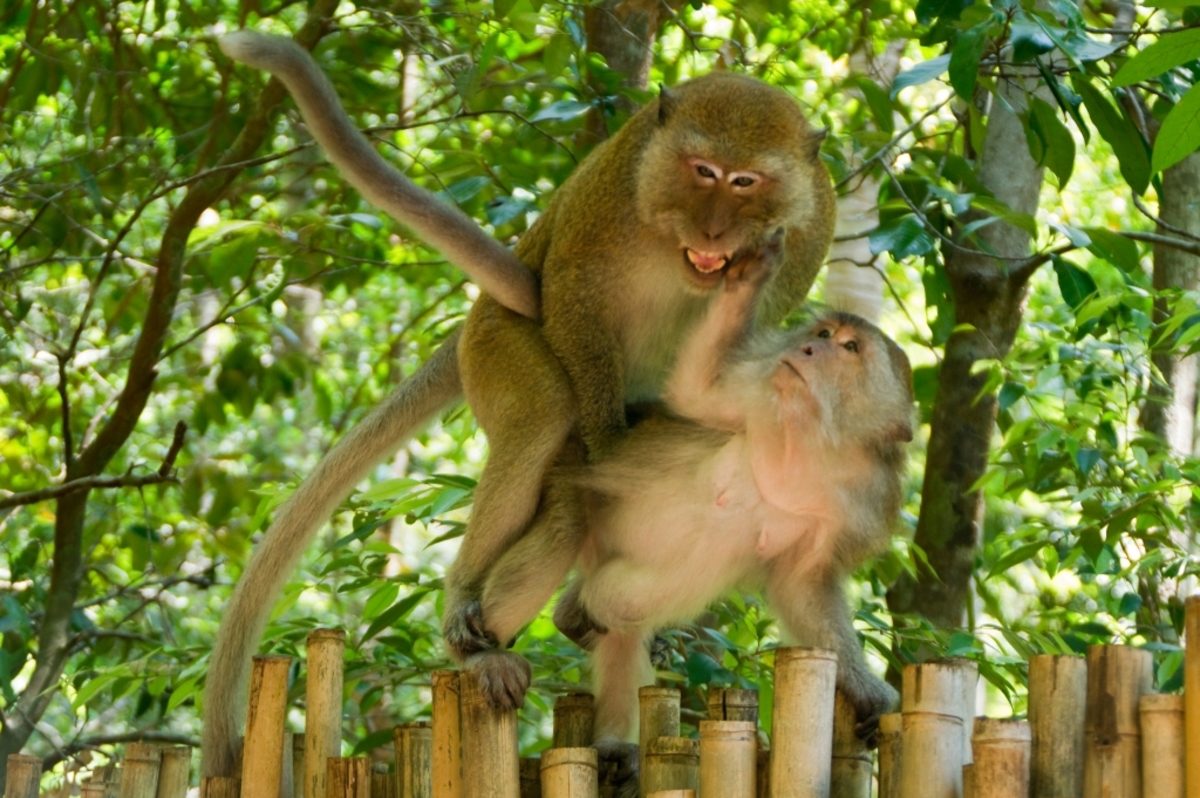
485	260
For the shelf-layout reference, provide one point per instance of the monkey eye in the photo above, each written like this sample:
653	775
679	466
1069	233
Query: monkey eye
825	333
705	171
743	181
851	346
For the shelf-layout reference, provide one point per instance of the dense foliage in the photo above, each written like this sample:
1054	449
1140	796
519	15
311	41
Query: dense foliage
173	248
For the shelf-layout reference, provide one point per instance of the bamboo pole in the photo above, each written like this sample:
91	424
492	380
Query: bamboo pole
931	743
348	777
764	774
726	703
574	715
1118	676
298	765
220	787
287	773
174	771
91	789
1057	698
1002	753
1163	766
968	781
262	754
384	784
531	777
672	763
139	771
850	772
673	794
802	744
890	728
658	709
24	776
1191	694
489	744
728	758
447	736
969	673
413	743
326	652
570	773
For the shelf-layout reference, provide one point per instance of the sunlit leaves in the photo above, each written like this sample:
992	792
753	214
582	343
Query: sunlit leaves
964	60
921	73
1172	50
1121	134
1050	143
1179	136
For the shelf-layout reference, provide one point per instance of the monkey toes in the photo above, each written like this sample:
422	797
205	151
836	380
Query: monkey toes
618	767
503	678
873	698
464	631
660	653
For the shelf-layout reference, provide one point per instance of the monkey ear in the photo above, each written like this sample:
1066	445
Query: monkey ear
666	104
815	140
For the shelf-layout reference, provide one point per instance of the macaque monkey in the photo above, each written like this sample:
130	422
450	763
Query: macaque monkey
622	263
780	470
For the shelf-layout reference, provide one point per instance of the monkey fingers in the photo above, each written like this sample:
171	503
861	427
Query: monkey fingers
464	630
504	677
574	621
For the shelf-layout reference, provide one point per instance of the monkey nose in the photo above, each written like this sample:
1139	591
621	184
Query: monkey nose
808	350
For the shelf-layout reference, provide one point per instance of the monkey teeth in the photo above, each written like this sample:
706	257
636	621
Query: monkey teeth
707	262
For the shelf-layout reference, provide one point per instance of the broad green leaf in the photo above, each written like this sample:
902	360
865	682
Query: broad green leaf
880	104
1121	134
1114	248
1028	38
1179	135
921	73
561	111
904	237
394	613
1172	50
1051	143
964	60
500	8
1075	284
557	54
463	190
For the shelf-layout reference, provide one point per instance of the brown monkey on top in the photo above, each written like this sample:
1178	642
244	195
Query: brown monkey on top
782	469
625	257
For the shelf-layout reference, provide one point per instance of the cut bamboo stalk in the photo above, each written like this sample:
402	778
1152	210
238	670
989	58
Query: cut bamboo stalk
139	770
414	758
383	783
220	787
891	726
970	684
673	794
447	736
968	781
570	773
348	777
266	716
1118	677
1191	694
931	743
297	766
91	789
574	715
658	710
326	652
1163	766
671	763
24	776
287	772
1002	753
850	772
112	782
489	742
726	703
1057	698
764	774
802	744
531	777
728	758
174	771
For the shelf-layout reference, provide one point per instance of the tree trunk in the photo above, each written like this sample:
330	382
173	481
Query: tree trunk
990	296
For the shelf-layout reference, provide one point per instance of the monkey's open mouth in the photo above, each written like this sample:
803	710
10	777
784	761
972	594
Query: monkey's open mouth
707	262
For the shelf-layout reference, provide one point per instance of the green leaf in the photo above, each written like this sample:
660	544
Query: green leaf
1029	39
964	60
1075	284
1121	134
1010	392
1172	50
500	8
1179	135
557	54
394	613
1051	144
879	103
904	237
921	73
561	111
1086	460
1114	248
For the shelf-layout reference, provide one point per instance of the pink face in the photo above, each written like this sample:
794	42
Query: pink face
719	198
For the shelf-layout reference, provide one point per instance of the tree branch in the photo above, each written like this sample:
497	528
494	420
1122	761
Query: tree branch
163	474
97	740
1190	247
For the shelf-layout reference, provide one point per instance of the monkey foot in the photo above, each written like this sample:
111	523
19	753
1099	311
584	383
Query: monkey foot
464	631
660	652
871	697
503	677
618	767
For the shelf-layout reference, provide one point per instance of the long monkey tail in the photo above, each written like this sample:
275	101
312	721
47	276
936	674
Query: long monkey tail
415	401
485	260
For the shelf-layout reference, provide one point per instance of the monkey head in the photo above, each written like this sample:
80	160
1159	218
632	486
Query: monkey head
731	161
851	377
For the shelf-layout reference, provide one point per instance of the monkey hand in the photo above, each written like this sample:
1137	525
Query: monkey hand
574	621
464	631
503	677
871	698
752	269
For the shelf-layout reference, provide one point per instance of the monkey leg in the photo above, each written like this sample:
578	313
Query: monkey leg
620	665
812	608
522	399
